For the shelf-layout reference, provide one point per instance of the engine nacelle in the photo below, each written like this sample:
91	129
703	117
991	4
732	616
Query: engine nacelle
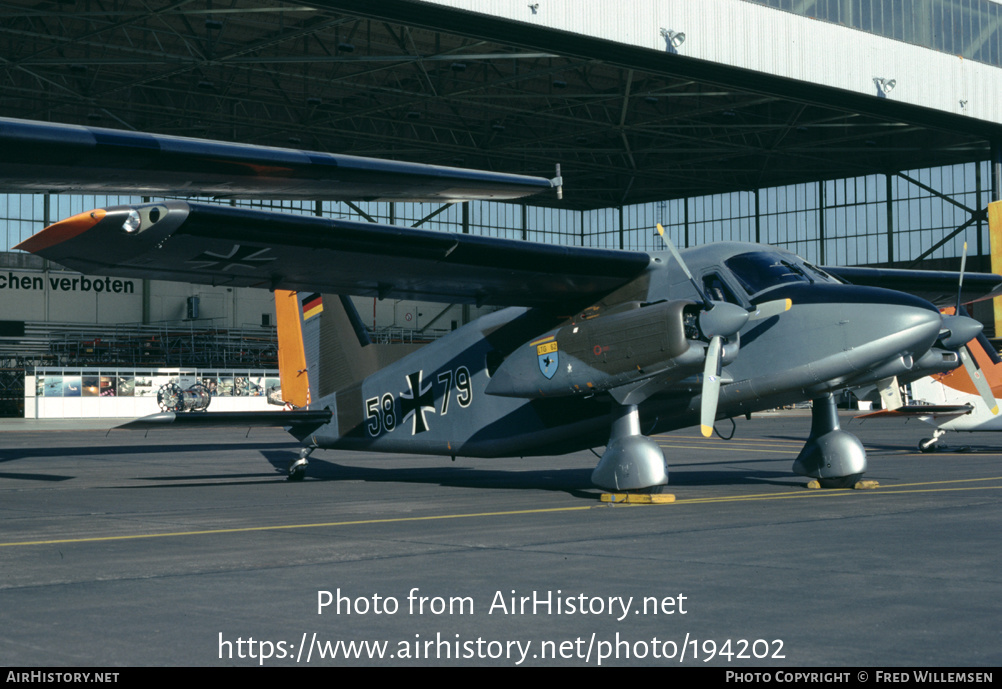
605	352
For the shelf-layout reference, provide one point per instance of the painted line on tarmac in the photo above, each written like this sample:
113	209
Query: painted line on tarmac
836	492
281	527
717	448
841	492
667	437
937	483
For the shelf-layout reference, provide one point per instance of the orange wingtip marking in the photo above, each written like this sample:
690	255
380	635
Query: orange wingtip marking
61	231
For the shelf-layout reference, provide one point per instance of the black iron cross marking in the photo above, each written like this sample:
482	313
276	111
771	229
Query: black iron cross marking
239	257
416	402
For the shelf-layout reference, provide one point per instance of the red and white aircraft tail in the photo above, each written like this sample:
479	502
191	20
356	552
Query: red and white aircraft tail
950	401
956	389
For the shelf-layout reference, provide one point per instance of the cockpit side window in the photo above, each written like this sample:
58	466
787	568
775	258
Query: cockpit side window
717	289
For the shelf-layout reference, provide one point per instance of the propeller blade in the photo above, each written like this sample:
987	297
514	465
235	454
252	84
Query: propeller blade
978	379
958	330
718	320
685	269
770	308
960	282
711	387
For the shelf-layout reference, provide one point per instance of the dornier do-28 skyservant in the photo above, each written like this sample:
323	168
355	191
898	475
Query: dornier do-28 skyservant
596	348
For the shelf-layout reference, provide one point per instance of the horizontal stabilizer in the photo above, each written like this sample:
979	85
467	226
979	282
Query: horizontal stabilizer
299	418
921	411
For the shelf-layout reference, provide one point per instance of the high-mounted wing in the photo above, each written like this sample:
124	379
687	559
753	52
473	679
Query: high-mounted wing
43	157
936	286
222	245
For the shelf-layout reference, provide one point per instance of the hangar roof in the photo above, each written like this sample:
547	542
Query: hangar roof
411	81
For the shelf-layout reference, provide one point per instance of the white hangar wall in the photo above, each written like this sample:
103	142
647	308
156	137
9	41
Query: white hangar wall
41	295
58	296
750	36
224	306
63	297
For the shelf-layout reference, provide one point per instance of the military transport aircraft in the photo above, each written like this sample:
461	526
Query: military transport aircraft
595	348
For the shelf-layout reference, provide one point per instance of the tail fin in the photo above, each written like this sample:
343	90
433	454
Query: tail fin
291	355
323	346
995	242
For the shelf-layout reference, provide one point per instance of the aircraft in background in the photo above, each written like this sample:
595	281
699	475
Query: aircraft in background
951	402
594	348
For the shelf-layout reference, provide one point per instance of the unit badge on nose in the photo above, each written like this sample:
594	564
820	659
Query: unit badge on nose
548	356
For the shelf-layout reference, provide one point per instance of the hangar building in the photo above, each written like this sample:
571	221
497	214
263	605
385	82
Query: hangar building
853	132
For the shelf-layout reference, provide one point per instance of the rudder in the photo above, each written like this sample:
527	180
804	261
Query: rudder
323	337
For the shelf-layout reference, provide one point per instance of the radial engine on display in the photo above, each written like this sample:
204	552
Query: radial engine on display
172	398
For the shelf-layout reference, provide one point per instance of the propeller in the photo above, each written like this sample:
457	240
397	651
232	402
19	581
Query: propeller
718	320
982	386
960	329
685	269
723	321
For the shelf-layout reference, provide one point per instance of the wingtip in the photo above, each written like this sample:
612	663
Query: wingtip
61	231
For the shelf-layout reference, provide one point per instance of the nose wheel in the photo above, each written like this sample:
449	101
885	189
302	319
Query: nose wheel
835	458
931	444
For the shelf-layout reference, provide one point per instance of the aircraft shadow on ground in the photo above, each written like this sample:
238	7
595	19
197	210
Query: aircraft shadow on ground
149	448
34	477
442	472
736	477
141	448
575	481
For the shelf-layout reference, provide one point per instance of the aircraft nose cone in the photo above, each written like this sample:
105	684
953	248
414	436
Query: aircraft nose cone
887	324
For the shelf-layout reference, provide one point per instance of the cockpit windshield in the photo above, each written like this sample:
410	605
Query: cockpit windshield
760	270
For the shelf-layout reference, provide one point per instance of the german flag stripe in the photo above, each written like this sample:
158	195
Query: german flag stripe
312	305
